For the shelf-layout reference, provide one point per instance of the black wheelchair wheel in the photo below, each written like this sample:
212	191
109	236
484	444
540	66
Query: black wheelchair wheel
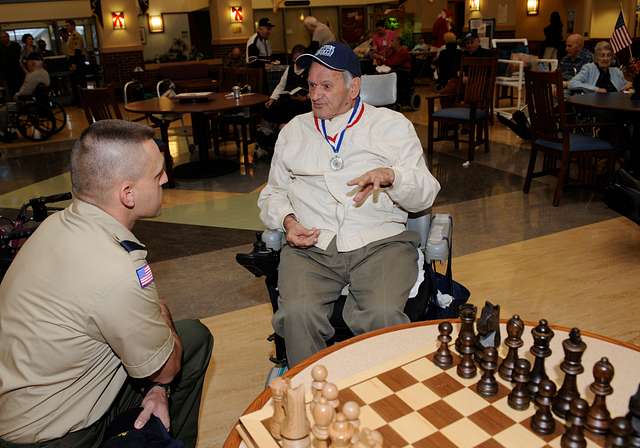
59	114
36	122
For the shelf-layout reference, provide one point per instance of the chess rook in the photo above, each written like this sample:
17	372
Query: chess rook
443	357
519	397
573	348
515	328
465	343
488	386
599	418
542	335
573	436
542	421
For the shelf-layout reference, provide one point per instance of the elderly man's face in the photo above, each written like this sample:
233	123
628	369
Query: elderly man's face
573	47
329	94
264	31
603	58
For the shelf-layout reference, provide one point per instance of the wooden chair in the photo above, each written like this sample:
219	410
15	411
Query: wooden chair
100	104
471	107
551	135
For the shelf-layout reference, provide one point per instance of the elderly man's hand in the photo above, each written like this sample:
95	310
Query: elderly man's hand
298	235
154	403
371	182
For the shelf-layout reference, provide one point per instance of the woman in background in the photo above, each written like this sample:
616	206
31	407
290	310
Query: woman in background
598	76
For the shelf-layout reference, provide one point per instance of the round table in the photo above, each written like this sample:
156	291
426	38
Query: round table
628	110
219	102
365	352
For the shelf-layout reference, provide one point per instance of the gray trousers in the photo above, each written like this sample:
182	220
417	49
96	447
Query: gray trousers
380	276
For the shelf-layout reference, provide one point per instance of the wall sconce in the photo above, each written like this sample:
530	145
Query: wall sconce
301	17
474	5
117	19
533	7
156	24
237	16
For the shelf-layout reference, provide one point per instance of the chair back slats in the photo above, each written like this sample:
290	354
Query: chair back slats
546	105
100	104
231	76
479	75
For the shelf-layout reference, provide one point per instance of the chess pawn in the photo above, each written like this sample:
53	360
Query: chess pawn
573	436
573	348
296	428
634	417
443	357
319	375
542	335
543	422
351	411
330	392
515	328
368	439
488	386
619	433
519	398
278	390
465	343
323	414
599	418
341	432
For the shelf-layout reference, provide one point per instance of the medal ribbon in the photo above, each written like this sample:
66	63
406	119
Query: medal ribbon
336	148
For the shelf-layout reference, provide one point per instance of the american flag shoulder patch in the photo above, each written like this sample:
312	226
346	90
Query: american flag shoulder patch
145	276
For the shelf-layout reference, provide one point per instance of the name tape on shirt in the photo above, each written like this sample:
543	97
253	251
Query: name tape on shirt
145	276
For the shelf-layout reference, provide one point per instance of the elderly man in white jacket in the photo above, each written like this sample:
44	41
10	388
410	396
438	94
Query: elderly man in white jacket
342	180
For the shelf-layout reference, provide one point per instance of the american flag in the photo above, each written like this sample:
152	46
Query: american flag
620	39
145	276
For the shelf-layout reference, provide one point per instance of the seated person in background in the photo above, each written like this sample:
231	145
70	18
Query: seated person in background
320	33
284	105
420	49
42	48
598	76
576	57
234	58
471	47
36	75
259	51
85	336
381	40
398	57
342	180
448	65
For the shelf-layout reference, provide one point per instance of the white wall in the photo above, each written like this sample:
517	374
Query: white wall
175	26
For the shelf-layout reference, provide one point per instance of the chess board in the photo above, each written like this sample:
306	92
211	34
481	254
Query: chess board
414	403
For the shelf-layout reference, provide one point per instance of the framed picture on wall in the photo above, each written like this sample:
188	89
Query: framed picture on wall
353	25
143	35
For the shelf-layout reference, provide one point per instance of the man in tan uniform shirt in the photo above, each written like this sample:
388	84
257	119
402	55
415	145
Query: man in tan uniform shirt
74	42
83	334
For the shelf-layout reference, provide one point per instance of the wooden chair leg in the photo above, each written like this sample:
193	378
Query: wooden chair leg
472	142
530	168
486	136
562	179
215	128
456	137
245	143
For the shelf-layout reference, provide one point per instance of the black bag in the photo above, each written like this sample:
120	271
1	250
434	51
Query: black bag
623	195
446	285
122	434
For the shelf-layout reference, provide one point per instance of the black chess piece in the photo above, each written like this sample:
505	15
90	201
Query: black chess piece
465	344
599	418
519	398
573	436
488	329
574	348
515	328
542	421
634	418
619	433
542	335
443	357
488	386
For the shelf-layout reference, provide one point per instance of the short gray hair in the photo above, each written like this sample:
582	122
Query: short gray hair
107	152
347	77
602	46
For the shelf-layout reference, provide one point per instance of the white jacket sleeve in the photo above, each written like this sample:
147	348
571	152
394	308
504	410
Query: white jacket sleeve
281	85
584	79
274	201
414	188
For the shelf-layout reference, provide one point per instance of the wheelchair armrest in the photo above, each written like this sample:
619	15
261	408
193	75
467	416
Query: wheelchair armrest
438	242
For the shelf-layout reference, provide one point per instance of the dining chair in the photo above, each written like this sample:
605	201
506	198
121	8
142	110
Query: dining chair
470	107
553	136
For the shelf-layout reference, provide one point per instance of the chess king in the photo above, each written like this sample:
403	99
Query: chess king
342	180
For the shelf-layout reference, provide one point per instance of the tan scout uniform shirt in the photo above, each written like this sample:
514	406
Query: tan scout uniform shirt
302	182
74	43
74	321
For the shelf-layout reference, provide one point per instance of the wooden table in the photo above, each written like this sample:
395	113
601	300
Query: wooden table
627	110
203	168
365	352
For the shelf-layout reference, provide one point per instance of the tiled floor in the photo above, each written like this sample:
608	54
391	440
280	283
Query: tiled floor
502	233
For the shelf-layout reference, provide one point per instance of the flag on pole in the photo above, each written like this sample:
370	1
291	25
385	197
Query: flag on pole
620	39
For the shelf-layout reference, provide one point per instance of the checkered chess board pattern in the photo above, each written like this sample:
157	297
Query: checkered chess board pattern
417	404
